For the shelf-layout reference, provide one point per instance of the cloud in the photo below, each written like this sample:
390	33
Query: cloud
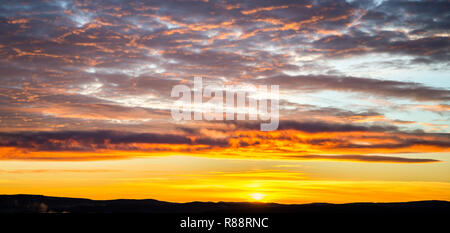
366	158
96	76
95	140
295	139
318	126
377	87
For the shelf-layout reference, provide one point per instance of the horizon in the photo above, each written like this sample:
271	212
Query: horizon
214	202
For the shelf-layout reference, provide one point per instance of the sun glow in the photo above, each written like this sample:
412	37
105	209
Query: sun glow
257	196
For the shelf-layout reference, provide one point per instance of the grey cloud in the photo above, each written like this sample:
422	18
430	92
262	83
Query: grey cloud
366	158
384	88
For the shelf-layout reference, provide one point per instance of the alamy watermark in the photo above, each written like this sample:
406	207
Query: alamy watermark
227	102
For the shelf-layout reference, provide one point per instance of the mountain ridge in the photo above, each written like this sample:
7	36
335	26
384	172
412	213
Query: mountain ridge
26	203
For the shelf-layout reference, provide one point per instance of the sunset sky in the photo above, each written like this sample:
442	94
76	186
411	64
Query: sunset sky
85	105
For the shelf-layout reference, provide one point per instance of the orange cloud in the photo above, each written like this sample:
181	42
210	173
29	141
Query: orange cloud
270	8
285	144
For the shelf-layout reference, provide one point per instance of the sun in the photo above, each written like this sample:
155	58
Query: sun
257	196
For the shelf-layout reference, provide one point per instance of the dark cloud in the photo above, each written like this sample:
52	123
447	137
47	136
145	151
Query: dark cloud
366	158
384	88
311	126
442	142
224	140
94	140
420	30
316	127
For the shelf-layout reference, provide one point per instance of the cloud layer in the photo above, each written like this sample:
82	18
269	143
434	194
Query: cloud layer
356	77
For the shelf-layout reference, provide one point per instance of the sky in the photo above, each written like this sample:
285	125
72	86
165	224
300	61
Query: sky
364	93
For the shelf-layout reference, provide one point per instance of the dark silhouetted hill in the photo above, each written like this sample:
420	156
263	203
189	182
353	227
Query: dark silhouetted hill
45	204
